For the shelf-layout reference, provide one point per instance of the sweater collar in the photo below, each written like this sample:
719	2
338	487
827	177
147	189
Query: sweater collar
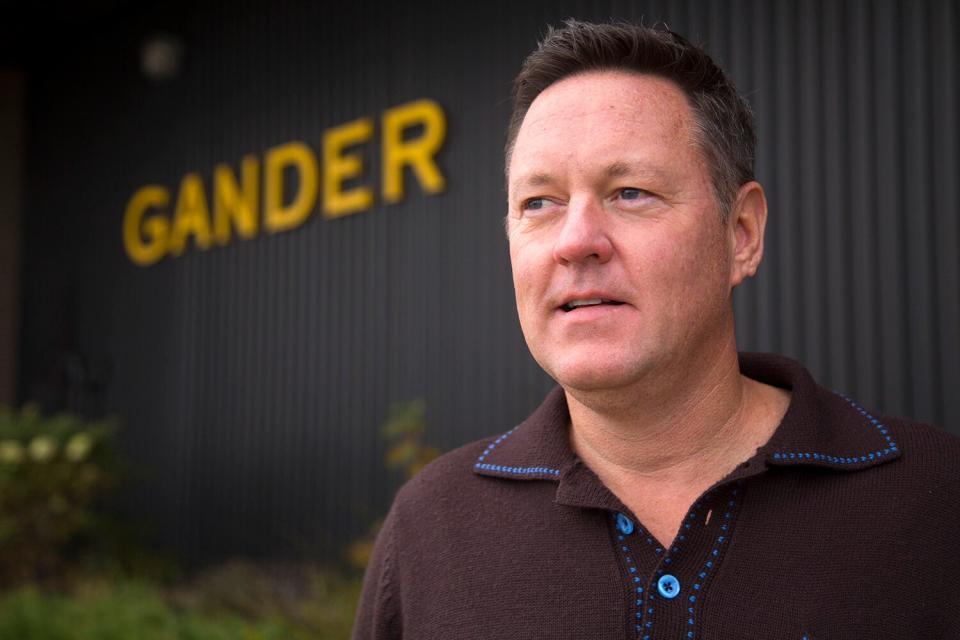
820	429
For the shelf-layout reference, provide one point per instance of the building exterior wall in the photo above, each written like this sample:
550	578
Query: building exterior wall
253	377
11	181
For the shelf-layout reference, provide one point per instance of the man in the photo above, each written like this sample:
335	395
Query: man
669	487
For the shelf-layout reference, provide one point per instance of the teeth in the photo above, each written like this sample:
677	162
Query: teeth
588	302
573	304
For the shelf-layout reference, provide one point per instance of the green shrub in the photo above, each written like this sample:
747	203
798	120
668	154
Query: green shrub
235	601
52	472
313	602
122	611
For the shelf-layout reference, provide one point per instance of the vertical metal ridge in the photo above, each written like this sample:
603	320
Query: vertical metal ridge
860	121
918	212
893	336
785	221
945	24
810	202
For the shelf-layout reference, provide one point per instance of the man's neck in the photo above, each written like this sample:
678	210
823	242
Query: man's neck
685	430
661	446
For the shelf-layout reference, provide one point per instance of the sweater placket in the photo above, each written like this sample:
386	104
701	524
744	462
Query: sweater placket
665	588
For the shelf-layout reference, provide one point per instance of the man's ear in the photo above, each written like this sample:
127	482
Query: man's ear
748	219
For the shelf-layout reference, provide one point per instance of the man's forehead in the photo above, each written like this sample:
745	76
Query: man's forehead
626	121
592	91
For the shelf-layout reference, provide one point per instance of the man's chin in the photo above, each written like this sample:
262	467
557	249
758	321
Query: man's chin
596	377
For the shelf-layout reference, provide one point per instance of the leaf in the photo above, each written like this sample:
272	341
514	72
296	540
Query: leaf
401	454
405	419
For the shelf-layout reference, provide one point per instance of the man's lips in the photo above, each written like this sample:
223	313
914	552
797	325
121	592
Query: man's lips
587	301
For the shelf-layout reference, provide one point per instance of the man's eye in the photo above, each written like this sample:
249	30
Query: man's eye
632	194
534	203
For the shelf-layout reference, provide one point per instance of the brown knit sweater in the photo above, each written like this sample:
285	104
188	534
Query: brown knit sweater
844	526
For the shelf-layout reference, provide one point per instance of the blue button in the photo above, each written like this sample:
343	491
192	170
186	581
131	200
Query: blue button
668	586
624	524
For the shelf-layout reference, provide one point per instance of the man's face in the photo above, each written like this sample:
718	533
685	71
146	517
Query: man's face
610	201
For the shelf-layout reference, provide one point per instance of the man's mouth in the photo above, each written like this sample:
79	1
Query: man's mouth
588	302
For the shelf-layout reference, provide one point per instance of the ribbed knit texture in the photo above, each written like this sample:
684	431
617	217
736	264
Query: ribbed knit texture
845	525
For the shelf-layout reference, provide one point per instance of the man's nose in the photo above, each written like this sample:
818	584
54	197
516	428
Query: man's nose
584	234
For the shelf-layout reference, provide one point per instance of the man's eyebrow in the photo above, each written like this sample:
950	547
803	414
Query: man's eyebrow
622	169
536	179
619	169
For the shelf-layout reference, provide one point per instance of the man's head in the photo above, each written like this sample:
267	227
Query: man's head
724	121
622	262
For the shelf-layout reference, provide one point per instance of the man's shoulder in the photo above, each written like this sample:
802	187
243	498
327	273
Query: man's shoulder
828	428
451	474
925	448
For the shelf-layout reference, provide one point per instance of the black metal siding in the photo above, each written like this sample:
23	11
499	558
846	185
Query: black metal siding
253	377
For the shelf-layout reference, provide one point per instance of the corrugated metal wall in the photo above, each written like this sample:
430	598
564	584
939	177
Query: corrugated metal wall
253	377
857	107
11	188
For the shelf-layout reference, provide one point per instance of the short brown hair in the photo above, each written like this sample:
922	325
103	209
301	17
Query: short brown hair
724	120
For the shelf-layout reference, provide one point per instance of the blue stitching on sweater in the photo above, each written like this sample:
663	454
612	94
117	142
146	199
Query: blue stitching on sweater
712	560
493	445
523	471
855	459
649	623
517	470
672	551
632	568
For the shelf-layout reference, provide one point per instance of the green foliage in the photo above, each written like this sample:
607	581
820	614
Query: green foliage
101	611
404	432
236	601
333	607
313	602
52	472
